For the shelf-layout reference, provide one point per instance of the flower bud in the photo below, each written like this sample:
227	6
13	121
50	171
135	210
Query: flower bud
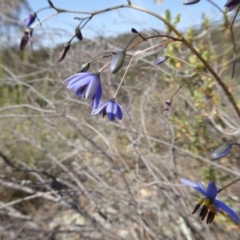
64	51
78	33
188	2
134	30
117	61
50	4
84	67
221	151
30	19
26	37
161	60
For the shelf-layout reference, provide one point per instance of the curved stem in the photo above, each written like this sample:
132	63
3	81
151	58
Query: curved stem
180	36
43	20
42	9
130	42
145	50
196	53
104	67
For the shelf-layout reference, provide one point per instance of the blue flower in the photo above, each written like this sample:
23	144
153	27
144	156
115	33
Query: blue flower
231	4
111	109
30	19
210	205
86	85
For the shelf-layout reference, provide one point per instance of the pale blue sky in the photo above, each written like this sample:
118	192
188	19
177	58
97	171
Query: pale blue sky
119	21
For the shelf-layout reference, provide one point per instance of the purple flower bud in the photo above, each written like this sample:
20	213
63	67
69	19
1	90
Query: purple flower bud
30	19
64	51
231	4
117	61
134	30
84	67
221	151
27	36
161	60
189	2
78	33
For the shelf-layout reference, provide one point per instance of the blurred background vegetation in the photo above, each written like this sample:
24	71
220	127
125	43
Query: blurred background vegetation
67	175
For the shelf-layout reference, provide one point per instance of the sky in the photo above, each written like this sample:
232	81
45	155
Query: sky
121	21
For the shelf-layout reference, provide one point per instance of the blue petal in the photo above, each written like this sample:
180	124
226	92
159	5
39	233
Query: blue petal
92	87
75	77
30	19
111	116
97	97
211	190
198	187
119	112
79	84
123	109
100	107
110	107
227	210
111	110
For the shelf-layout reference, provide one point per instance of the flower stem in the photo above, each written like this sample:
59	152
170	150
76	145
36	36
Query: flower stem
120	84
43	20
219	190
39	10
105	66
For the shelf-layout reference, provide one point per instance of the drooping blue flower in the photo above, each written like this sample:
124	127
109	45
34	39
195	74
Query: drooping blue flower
111	109
86	85
30	19
231	4
210	205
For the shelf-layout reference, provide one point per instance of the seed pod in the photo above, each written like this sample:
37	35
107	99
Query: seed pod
117	61
78	33
84	67
64	51
26	37
189	2
221	151
161	60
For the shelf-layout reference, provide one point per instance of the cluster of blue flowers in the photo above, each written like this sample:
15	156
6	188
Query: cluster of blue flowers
88	85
